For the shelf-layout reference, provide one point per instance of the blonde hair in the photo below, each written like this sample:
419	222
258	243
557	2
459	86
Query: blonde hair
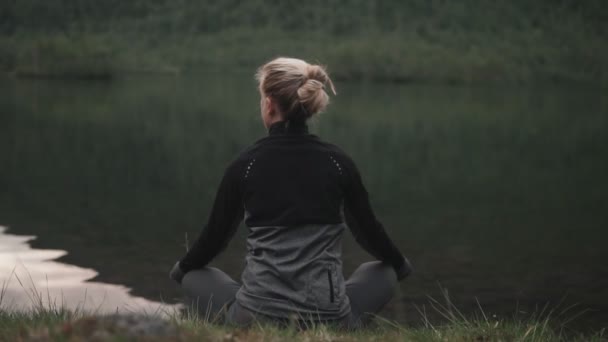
297	87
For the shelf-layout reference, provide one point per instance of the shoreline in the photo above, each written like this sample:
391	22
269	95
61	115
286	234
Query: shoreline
397	57
189	73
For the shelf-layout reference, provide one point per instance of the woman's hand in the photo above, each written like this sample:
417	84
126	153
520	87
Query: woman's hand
404	270
176	273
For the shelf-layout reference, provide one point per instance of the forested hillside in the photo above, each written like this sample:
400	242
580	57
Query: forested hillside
415	40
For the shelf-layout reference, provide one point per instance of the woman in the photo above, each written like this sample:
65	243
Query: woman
297	195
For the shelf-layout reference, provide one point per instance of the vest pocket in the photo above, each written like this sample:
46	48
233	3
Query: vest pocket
323	289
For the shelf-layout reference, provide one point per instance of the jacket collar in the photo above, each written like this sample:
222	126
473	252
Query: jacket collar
288	127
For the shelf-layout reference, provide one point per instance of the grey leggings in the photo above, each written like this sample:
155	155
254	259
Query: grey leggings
212	293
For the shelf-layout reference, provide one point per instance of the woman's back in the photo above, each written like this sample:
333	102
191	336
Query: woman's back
293	188
297	195
291	178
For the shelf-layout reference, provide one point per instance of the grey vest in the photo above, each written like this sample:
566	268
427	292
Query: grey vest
295	272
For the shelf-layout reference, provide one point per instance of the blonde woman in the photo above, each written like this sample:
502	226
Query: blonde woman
297	195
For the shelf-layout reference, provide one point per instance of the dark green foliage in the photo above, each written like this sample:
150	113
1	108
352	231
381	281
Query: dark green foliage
66	57
445	41
351	16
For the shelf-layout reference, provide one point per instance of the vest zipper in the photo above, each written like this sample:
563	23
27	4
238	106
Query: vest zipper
331	286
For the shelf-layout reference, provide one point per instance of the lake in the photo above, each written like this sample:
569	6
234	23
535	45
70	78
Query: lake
498	195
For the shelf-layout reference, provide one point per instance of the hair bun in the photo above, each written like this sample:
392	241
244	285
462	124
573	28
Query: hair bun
318	73
297	87
312	96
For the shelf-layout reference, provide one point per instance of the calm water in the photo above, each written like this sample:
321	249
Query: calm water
495	194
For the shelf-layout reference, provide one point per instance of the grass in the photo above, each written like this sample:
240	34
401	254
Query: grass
65	325
52	322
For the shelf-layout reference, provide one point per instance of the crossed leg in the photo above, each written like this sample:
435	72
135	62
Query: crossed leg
369	289
211	292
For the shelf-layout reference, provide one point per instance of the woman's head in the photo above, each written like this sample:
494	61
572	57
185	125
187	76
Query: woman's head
292	89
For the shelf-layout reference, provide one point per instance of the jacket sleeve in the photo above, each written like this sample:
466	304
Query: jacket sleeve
226	215
366	229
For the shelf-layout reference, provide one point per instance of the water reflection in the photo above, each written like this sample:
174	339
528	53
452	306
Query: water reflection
498	194
31	278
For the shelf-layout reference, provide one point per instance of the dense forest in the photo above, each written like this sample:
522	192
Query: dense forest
415	40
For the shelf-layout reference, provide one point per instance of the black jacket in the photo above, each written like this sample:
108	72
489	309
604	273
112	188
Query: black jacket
291	178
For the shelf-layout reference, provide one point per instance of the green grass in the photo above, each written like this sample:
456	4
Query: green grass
64	325
52	322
